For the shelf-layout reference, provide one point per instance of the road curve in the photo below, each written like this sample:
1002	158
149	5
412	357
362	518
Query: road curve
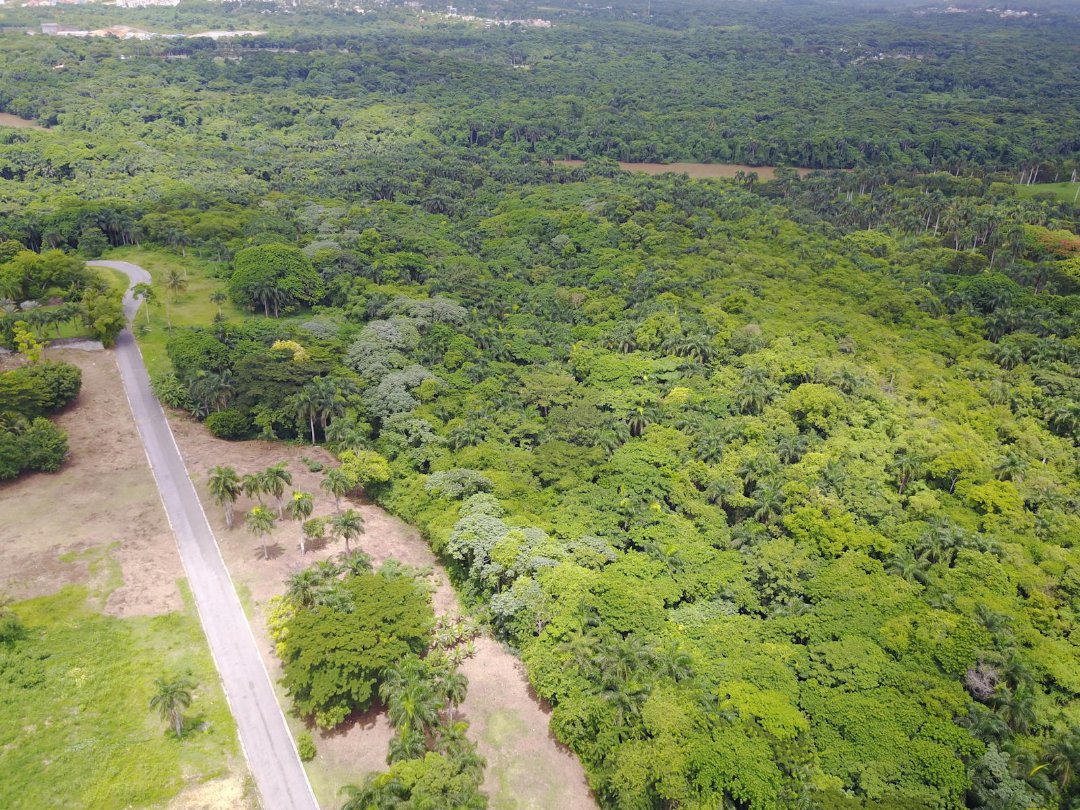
267	743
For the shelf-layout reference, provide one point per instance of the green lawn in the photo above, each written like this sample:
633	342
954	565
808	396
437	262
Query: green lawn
75	727
1063	191
192	307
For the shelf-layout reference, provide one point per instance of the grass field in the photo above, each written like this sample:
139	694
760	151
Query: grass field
75	724
192	307
1063	191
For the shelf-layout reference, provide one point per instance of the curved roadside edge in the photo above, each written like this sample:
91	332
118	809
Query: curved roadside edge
264	735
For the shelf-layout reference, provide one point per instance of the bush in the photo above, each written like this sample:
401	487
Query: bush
31	446
39	389
305	746
192	350
170	391
231	423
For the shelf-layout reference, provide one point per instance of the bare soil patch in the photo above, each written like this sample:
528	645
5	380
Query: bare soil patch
697	170
100	511
9	120
527	768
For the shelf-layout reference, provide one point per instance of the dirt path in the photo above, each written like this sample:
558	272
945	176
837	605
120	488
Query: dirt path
527	769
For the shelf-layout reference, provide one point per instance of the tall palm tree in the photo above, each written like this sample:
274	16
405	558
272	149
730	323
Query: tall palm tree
145	292
300	507
260	522
305	405
252	484
175	283
453	687
171	697
348	525
218	297
337	484
274	481
225	488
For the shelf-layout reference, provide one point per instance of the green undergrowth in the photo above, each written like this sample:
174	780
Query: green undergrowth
75	727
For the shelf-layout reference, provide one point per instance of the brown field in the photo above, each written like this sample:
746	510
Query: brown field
8	120
56	526
527	768
697	170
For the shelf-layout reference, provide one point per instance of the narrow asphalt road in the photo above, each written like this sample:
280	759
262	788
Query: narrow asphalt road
264	736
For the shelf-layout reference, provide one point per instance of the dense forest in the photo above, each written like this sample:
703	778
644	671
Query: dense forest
774	486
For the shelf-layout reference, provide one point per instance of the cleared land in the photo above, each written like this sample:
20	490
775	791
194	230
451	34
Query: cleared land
9	120
89	554
698	170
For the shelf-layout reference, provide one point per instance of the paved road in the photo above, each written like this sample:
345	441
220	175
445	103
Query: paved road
264	736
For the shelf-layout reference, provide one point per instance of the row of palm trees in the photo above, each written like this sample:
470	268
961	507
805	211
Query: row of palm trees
226	485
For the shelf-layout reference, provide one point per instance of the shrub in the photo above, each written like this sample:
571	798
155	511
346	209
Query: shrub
39	389
29	446
231	423
305	746
170	391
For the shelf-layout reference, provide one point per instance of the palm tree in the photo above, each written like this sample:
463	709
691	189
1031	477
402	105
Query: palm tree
413	705
580	649
908	567
453	687
225	488
1063	756
252	484
409	744
305	405
378	792
336	483
770	501
274	481
355	562
260	522
1011	466
171	697
145	292
347	525
218	297
1017	708
304	586
300	507
175	283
